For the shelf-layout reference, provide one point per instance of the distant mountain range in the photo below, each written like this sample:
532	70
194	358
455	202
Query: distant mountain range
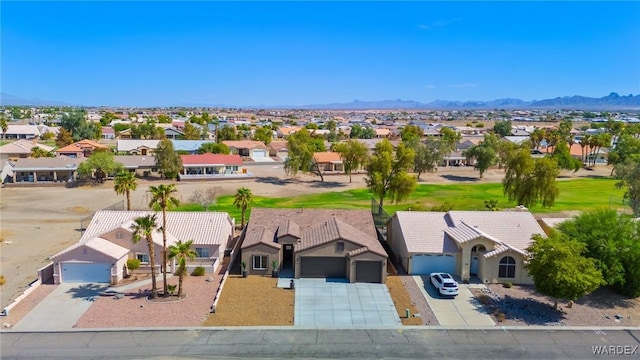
613	101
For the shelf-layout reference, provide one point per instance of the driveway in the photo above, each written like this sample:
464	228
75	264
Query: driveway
463	310
61	309
328	303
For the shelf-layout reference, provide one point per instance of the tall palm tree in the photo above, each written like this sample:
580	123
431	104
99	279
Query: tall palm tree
162	198
183	252
143	227
124	184
242	200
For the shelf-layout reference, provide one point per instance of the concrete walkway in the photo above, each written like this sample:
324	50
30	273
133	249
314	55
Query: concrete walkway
61	309
337	304
463	310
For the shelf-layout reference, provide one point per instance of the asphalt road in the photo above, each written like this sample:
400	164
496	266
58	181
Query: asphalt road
495	343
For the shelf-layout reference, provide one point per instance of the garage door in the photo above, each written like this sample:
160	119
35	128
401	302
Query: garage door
369	271
424	264
323	267
93	272
259	153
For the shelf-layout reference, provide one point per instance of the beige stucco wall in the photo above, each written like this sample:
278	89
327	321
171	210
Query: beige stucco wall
395	239
81	254
260	249
490	271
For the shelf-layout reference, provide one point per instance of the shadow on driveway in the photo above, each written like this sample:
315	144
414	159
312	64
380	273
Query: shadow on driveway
86	291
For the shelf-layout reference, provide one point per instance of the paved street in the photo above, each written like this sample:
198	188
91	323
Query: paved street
463	310
198	343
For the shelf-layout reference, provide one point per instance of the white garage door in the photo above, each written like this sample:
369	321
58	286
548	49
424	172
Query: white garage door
86	272
259	153
424	264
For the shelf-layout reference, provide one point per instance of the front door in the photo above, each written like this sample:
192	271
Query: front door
287	255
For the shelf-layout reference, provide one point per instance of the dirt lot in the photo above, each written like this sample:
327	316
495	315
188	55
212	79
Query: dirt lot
37	222
239	305
522	305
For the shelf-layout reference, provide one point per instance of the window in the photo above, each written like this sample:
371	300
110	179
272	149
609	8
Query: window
203	252
119	235
507	268
340	246
144	258
260	262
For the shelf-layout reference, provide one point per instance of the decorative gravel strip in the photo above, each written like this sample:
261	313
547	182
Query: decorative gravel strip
27	304
420	303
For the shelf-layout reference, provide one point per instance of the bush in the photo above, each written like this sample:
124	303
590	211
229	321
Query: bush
2	280
199	271
508	285
484	299
499	315
133	264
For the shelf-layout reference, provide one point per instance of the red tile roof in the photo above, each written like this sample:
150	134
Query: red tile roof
211	159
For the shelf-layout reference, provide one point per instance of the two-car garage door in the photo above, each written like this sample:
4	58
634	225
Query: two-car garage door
424	264
86	272
323	267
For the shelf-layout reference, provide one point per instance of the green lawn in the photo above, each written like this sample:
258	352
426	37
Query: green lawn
575	194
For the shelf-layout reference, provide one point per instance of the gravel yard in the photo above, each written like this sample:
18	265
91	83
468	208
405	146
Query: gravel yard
134	310
522	305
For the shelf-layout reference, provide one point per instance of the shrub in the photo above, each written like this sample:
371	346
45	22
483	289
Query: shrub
133	264
2	280
484	299
199	271
499	315
508	284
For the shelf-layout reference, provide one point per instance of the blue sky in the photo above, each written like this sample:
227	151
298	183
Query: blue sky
299	53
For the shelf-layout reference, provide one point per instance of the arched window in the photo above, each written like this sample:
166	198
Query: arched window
507	267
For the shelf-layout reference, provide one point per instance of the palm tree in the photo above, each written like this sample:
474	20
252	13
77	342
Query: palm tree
242	200
124	184
162	198
4	126
182	251
144	227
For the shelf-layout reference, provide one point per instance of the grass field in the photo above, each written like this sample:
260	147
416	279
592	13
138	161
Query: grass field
575	194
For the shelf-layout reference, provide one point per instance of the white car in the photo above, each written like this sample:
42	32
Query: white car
444	283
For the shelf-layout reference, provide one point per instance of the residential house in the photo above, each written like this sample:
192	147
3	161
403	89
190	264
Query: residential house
108	133
18	131
211	166
148	147
285	131
278	149
20	149
328	161
82	148
255	150
101	254
486	244
141	165
42	170
314	243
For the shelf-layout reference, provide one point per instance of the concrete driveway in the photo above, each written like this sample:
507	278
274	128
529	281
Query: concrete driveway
463	310
61	309
324	303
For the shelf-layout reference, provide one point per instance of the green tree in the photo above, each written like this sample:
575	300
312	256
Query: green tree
264	134
428	155
536	137
503	128
530	181
182	251
124	183
628	174
72	120
562	155
614	241
300	147
191	132
143	228
354	155
451	138
167	160
411	135
162	198
387	172
627	148
63	138
107	118
99	165
484	154
243	199
164	119
559	269
226	132
38	152
214	148
4	126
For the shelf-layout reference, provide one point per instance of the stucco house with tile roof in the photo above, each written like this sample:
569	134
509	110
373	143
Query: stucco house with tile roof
42	170
314	243
329	161
82	148
20	149
102	252
489	245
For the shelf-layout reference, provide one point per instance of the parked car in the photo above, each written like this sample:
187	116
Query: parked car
444	283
